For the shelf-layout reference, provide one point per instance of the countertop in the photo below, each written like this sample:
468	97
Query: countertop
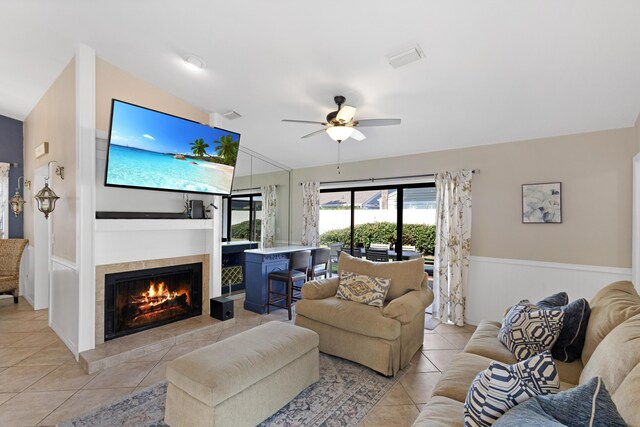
237	242
279	250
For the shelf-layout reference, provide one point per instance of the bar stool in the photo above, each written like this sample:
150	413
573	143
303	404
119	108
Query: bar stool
298	270
320	262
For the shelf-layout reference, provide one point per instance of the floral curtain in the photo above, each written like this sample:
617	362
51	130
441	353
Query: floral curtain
453	245
4	200
269	205
310	213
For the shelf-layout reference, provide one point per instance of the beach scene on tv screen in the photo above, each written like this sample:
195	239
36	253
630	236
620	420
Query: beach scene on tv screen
155	150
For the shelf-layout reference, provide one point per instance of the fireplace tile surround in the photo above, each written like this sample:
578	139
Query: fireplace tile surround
129	347
102	270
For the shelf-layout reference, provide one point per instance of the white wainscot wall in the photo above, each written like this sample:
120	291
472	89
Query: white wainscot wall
64	309
27	290
496	283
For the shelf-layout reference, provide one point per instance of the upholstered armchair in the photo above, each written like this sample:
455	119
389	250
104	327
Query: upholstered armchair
381	338
10	255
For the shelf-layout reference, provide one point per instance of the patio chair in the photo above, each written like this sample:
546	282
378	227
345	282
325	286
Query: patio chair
378	255
379	246
334	253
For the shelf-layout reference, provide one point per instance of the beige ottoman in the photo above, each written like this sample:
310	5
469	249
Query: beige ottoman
242	380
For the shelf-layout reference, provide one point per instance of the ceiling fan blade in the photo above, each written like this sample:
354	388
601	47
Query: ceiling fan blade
313	133
346	113
305	121
377	122
357	135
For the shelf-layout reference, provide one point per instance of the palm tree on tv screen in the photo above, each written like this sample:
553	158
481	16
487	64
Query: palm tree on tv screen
199	147
227	149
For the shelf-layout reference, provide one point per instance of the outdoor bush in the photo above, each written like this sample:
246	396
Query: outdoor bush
422	236
241	230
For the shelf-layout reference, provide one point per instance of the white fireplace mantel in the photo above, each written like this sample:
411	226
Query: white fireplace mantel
135	225
122	241
126	240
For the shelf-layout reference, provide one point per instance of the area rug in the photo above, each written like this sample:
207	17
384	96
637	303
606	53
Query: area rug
430	323
344	395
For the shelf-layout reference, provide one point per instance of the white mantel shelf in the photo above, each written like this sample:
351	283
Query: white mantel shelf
128	225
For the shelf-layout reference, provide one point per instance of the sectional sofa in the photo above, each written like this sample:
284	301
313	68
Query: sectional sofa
611	351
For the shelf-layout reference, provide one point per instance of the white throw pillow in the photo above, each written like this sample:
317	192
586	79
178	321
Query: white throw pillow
528	330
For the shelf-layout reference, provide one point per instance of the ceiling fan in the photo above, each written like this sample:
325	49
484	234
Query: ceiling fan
340	124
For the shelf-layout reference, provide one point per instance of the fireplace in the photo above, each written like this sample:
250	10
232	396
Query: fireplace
143	299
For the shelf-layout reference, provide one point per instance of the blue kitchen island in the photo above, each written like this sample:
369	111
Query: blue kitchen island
258	263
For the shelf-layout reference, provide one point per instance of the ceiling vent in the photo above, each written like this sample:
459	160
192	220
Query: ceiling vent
231	115
405	57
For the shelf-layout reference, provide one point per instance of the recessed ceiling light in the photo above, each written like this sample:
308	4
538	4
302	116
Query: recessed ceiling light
194	62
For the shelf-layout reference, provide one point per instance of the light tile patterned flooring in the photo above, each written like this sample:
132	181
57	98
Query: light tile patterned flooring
42	384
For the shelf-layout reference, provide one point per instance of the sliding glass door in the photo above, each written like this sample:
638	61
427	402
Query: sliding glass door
400	218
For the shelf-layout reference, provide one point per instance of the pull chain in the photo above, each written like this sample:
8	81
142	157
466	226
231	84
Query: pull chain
338	157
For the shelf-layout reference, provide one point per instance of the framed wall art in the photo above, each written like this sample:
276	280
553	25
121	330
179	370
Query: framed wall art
542	203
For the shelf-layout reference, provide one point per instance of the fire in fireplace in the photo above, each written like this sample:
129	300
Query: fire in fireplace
143	299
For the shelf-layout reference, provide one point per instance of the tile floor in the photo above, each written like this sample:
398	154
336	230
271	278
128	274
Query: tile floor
42	384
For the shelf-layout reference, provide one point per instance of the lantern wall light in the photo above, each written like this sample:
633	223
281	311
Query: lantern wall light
46	197
17	201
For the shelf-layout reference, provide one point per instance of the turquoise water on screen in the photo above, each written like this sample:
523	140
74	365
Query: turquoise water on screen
140	168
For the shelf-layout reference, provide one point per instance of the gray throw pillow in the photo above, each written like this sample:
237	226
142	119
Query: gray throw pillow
528	330
586	405
569	345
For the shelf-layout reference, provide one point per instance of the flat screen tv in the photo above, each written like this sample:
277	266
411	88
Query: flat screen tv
157	151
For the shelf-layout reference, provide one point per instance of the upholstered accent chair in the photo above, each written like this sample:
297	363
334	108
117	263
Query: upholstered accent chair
381	338
10	255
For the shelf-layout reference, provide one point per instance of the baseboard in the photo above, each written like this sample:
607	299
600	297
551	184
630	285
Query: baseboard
70	345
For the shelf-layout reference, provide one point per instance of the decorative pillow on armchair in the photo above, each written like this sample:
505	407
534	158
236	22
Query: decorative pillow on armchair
569	345
528	330
363	289
501	387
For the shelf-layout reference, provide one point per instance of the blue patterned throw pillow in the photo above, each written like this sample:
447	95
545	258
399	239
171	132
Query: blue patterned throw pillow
501	387
586	405
555	300
569	345
528	330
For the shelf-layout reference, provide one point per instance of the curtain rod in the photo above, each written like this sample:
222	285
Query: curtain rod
249	189
429	175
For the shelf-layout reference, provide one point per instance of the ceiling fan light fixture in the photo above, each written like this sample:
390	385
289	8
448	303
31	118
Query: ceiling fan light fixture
339	133
194	63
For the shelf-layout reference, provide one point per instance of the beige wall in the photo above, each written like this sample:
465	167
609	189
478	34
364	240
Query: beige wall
595	171
54	120
113	82
637	128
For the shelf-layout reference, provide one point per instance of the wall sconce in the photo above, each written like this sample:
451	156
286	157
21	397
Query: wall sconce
46	198
17	202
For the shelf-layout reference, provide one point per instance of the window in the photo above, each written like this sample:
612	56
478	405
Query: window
392	216
242	218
